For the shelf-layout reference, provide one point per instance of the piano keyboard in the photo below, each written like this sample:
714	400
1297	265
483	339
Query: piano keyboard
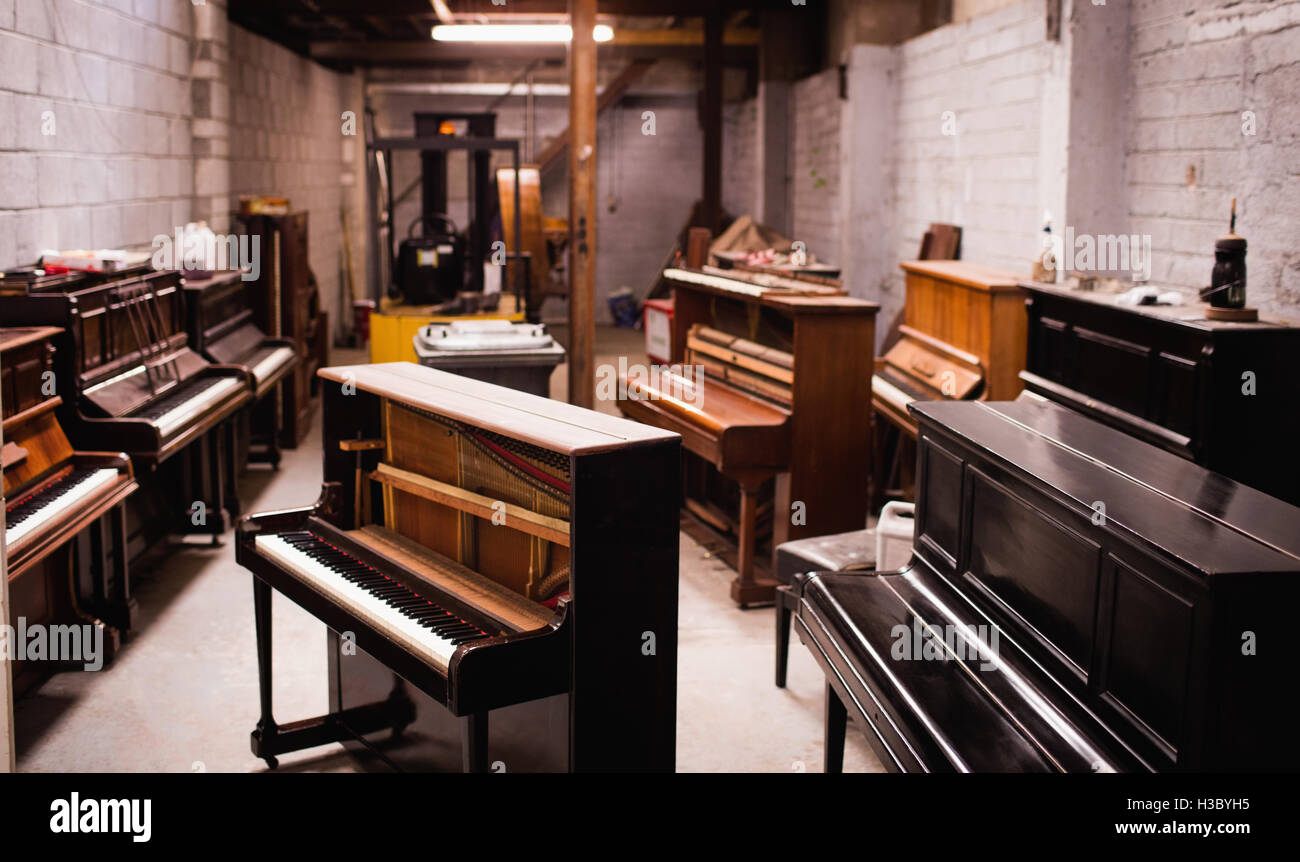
178	407
883	389
421	626
266	366
26	517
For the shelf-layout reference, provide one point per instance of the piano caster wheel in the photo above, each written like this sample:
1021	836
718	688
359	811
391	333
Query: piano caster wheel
271	762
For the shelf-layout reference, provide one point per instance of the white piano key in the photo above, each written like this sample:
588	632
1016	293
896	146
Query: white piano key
181	414
358	601
69	499
269	364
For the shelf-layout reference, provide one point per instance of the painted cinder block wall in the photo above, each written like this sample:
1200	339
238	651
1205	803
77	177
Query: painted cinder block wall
162	112
1146	138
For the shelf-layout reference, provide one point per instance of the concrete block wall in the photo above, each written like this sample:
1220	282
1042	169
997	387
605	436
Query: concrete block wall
1197	69
990	72
125	119
815	111
740	169
95	146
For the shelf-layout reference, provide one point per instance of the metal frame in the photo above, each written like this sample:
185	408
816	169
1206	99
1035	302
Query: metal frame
386	146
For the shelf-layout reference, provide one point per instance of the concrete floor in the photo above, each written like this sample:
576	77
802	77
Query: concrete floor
182	694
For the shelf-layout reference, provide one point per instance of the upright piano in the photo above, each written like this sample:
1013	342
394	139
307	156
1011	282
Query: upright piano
52	495
1221	394
127	379
1078	600
962	338
220	326
286	304
492	566
784	403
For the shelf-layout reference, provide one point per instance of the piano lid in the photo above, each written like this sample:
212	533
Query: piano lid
1172	506
543	422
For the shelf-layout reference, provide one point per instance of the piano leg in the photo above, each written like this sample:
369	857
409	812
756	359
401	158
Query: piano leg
474	742
745	588
269	739
264	735
109	572
836	725
783	600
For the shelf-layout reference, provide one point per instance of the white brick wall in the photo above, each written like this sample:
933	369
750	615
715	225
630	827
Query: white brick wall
113	78
740	176
162	112
815	164
989	72
1196	67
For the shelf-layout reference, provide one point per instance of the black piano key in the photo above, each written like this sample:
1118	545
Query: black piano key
393	593
25	507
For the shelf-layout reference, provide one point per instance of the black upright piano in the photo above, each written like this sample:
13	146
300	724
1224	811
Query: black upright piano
1219	393
219	322
498	574
1078	600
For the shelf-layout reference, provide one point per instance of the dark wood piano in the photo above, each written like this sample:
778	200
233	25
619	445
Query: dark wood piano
1079	600
220	326
785	415
286	304
52	495
1221	394
128	380
493	567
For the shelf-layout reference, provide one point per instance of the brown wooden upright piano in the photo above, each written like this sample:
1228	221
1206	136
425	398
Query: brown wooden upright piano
492	566
52	495
784	403
962	338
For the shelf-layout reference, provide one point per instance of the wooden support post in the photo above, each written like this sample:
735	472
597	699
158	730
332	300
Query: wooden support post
582	203
712	193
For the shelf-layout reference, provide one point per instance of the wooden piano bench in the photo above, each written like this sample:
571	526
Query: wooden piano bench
841	552
932	689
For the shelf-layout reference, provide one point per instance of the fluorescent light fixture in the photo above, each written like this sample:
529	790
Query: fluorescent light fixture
517	33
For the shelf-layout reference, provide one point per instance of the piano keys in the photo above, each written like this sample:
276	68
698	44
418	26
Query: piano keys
129	380
460	528
785	418
1217	393
54	495
1086	602
962	337
221	328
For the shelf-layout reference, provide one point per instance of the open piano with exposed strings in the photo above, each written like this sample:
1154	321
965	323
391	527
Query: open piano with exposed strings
495	569
53	495
128	380
778	428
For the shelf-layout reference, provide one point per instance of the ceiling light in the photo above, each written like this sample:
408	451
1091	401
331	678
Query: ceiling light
517	33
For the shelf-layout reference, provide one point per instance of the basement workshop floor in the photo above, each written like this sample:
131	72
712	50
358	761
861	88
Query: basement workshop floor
182	694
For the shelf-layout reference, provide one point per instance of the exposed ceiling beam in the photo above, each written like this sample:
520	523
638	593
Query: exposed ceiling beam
430	52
